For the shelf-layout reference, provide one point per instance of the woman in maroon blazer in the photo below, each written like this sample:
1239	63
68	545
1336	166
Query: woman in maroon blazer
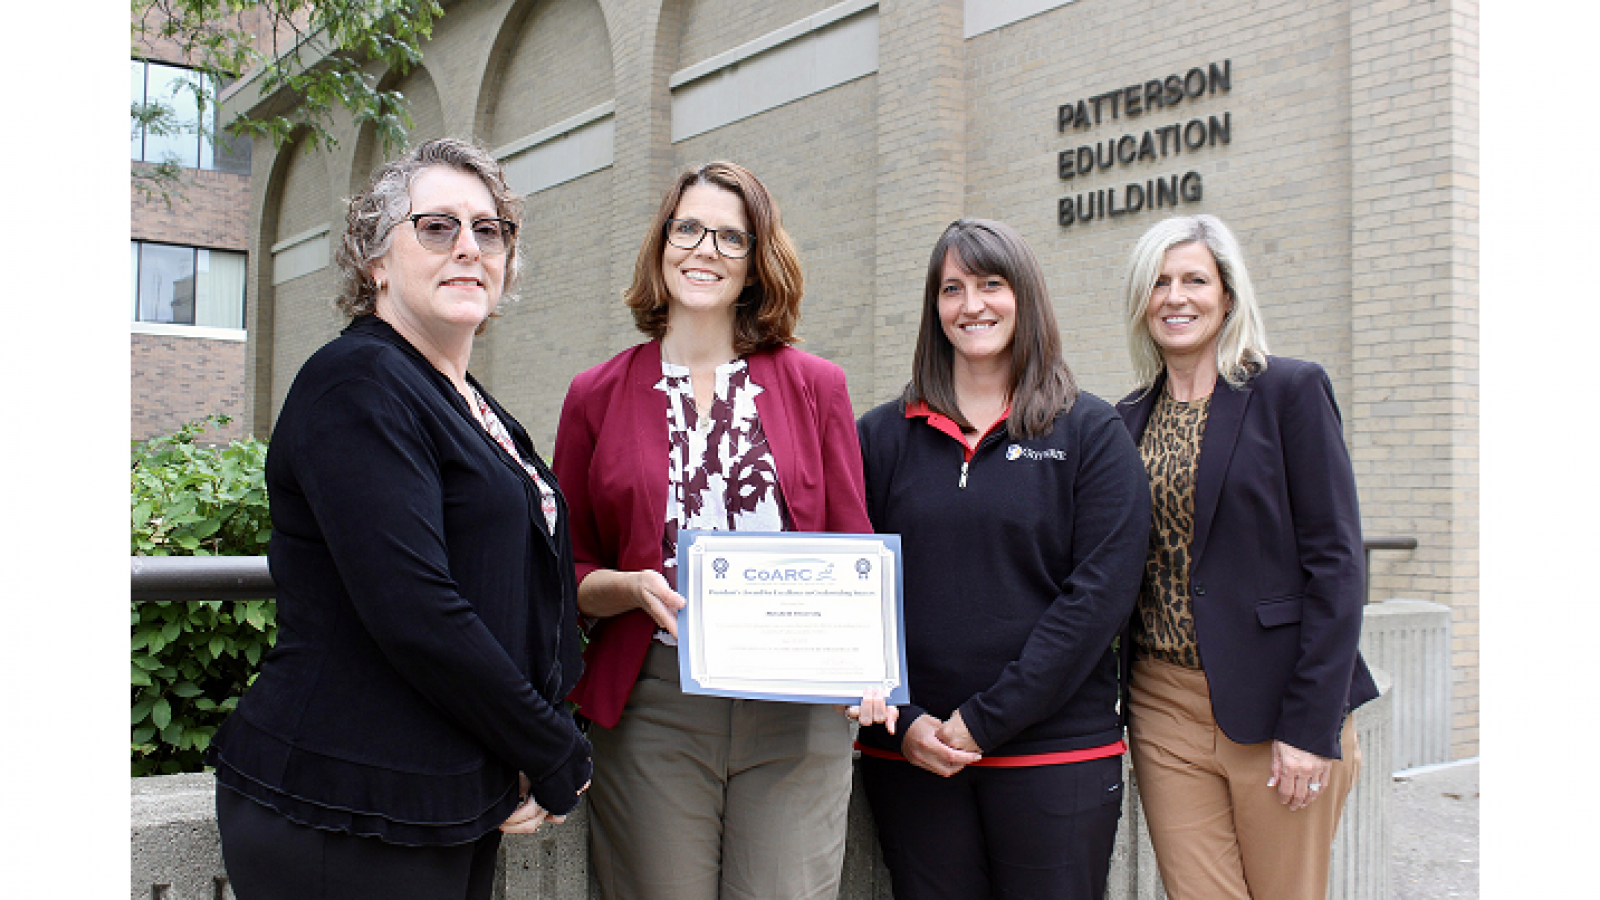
715	423
1250	611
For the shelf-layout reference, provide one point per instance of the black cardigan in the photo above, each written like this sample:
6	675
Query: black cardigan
1016	583
427	618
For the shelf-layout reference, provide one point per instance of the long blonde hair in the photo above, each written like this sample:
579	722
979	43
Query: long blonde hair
1242	344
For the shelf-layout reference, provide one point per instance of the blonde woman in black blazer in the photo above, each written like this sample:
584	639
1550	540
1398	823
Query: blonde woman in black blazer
1246	668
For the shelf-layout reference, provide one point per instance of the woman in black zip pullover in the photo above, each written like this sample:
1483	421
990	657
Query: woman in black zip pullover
1023	510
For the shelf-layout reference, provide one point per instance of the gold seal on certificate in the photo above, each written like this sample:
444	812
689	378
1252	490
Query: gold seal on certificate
808	618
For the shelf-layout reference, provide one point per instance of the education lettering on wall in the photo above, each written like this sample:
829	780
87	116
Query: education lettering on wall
1152	98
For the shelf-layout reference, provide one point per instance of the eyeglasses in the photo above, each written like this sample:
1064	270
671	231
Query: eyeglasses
437	232
686	234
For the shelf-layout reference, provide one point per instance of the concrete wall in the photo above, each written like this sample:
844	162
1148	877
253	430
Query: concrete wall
1348	171
1410	639
176	855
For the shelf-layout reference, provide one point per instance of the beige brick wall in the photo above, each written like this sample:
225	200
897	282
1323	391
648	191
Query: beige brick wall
921	169
1350	177
715	26
830	222
558	64
1414	162
1282	182
561	325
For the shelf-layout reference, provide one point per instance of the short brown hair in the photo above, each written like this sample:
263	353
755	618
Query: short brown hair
1042	386
768	309
374	213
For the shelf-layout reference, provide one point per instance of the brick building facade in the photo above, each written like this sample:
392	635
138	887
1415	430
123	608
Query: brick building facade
1339	140
187	370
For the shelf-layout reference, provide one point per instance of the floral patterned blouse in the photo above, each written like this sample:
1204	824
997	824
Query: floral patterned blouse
720	472
497	430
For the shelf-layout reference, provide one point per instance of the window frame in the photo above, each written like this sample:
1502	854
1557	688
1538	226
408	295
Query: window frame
204	153
185	329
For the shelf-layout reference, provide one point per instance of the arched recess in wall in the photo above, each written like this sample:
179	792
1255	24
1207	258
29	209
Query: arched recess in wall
427	122
297	283
548	94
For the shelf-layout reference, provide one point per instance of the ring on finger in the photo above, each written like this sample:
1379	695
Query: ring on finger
1314	787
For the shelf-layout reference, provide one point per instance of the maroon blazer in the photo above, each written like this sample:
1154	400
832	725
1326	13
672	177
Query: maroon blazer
611	462
1275	563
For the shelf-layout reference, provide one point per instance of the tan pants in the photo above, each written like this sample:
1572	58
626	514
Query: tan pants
700	798
1219	832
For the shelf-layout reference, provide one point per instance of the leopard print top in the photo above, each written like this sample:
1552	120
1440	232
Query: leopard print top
1170	448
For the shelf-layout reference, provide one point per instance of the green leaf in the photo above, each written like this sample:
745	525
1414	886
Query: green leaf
186	689
161	713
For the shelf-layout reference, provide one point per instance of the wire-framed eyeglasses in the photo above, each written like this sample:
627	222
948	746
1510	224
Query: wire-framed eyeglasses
437	232
686	234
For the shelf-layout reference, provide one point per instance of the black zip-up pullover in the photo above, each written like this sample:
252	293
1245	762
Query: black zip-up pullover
1022	562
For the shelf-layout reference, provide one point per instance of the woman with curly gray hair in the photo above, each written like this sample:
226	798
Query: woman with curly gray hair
411	711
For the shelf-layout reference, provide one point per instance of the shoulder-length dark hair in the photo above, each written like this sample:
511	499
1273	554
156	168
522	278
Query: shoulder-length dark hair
768	309
1042	386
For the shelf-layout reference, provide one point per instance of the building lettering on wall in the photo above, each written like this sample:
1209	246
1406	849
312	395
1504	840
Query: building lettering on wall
1169	140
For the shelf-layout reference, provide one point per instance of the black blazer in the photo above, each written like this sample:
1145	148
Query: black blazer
1276	564
427	617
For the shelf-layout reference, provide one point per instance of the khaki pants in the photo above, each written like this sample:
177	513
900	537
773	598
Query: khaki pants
1219	832
700	798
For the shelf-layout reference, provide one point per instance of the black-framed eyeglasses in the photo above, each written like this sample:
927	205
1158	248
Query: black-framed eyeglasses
686	234
437	232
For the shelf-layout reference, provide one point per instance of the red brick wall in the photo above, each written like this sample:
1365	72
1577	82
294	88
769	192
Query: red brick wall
255	21
213	212
179	379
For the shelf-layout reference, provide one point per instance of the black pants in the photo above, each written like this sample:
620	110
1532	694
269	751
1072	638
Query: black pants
269	857
1038	833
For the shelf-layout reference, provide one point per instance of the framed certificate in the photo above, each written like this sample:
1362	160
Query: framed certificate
807	618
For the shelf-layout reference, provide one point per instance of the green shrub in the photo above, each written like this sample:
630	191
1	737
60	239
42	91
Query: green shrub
192	660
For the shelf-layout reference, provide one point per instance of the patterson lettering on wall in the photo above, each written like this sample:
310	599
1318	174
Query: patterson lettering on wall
1132	148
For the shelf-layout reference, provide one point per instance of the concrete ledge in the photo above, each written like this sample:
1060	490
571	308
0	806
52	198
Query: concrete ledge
176	855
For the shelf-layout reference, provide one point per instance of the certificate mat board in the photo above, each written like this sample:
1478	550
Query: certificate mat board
793	616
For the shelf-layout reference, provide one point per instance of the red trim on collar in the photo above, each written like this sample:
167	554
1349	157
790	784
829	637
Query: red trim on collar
944	423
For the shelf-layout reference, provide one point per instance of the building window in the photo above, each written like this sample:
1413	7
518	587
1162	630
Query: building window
175	285
155	82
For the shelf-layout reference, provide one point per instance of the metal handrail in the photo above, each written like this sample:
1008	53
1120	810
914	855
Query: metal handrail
247	578
1380	543
201	578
